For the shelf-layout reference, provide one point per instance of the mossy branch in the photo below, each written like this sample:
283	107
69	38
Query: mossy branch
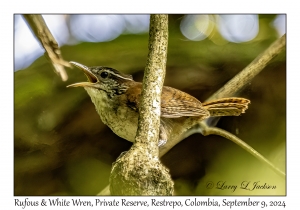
139	171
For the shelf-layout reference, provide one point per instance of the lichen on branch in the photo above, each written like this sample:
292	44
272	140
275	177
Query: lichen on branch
139	171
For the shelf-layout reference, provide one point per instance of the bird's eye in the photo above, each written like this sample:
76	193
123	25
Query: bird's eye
104	74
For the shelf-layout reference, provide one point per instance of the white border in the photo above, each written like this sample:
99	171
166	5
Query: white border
155	6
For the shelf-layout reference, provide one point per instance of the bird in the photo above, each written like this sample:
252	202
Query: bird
116	97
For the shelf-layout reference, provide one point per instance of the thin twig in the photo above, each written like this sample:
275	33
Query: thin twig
43	34
206	130
105	191
249	72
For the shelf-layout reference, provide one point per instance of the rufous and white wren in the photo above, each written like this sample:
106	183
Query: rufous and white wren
116	97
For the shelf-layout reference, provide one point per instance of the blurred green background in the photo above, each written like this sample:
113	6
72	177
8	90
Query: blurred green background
61	147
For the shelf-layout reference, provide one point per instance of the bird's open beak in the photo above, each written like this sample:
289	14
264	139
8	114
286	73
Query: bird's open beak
86	70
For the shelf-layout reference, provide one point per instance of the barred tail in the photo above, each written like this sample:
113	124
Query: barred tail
226	106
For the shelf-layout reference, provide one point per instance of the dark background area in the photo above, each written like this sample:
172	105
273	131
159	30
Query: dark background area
61	147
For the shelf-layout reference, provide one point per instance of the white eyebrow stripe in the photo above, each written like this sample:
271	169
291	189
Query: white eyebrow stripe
118	75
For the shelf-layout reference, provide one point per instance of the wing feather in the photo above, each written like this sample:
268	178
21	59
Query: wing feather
179	104
175	103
